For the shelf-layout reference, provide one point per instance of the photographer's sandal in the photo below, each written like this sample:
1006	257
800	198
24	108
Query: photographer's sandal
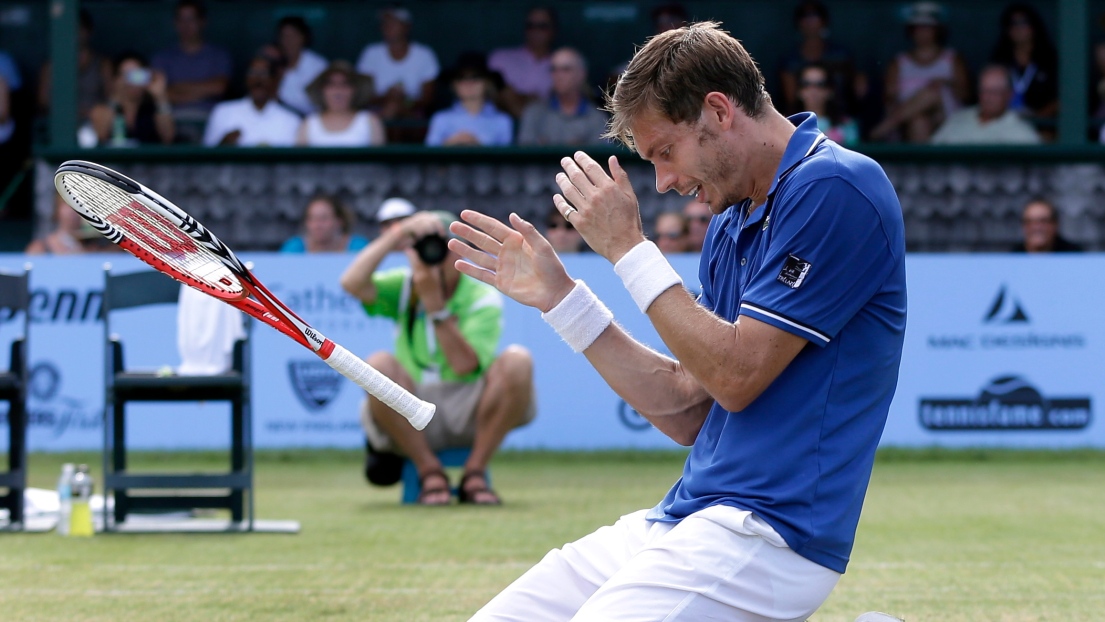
437	492
477	492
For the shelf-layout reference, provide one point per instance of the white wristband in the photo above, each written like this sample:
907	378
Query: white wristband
646	274
579	318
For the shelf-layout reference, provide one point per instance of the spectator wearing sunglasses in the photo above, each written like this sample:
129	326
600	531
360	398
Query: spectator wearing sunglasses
525	69
670	233
816	94
698	221
569	116
811	22
562	235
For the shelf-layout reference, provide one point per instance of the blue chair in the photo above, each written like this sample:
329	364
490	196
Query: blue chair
449	458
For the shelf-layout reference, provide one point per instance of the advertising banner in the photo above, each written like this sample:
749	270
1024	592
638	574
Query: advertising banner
1000	351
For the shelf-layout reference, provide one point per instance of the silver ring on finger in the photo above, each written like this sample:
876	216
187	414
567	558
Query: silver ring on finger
568	213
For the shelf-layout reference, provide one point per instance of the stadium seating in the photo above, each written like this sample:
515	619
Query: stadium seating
14	299
954	206
125	291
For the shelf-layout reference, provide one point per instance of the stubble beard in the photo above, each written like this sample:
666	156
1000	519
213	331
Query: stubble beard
719	168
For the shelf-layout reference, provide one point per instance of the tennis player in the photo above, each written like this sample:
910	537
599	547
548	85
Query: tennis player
784	367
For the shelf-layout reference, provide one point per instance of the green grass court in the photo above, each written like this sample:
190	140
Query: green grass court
946	536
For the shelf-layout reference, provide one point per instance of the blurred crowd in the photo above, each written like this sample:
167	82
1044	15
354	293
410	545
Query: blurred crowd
536	92
539	92
395	92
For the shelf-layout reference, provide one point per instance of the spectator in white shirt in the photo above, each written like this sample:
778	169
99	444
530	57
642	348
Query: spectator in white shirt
340	95
402	71
991	122
256	120
293	35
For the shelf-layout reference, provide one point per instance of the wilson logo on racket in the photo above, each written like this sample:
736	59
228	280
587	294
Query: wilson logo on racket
156	233
313	336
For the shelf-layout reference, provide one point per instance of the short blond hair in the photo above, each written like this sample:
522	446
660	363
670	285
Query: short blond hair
675	70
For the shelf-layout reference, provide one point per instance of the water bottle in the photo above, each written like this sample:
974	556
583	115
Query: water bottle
65	497
118	128
80	516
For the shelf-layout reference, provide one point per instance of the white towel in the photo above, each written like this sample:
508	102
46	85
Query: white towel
206	331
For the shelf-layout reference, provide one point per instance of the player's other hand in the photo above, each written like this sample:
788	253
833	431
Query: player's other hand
603	208
517	261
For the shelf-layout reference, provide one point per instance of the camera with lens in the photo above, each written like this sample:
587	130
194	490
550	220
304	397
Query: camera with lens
431	249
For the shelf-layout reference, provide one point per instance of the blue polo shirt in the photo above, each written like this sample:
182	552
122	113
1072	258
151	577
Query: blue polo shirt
824	259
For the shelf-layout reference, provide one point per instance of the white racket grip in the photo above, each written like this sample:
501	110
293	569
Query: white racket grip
353	367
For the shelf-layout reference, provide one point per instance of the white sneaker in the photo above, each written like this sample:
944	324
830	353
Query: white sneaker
878	616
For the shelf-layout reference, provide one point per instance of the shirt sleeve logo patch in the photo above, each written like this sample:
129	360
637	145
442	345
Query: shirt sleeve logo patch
794	272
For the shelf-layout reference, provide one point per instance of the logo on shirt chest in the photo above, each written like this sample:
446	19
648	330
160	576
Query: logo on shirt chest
794	271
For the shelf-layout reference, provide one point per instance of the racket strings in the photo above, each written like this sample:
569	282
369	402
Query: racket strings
154	233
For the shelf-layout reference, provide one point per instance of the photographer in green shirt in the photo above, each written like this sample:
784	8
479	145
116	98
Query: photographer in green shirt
449	327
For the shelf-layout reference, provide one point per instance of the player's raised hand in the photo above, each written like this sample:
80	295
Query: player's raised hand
517	261
603	208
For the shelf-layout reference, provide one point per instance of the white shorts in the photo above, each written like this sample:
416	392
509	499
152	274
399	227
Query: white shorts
718	564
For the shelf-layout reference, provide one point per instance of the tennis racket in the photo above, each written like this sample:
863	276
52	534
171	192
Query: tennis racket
161	234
